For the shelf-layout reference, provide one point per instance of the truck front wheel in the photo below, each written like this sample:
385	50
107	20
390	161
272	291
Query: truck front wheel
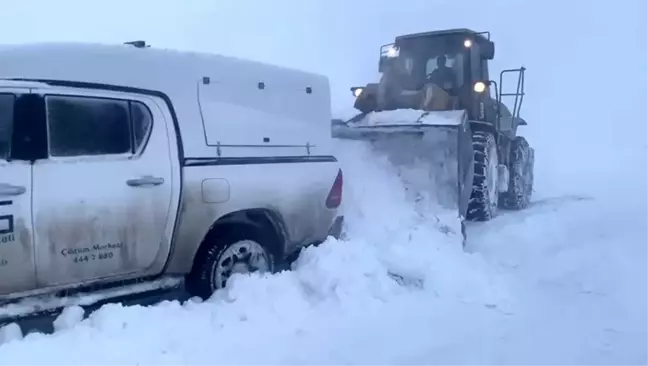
231	253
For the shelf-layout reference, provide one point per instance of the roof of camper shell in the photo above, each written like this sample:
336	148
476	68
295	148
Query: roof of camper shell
162	70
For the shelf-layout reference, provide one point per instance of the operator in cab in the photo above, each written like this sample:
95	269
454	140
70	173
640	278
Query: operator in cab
444	76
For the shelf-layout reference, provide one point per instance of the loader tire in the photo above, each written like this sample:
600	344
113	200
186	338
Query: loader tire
484	197
520	184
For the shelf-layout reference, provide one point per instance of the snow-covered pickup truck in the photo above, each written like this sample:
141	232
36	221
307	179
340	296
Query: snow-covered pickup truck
123	164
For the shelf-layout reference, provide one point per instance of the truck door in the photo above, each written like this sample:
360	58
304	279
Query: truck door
102	197
17	270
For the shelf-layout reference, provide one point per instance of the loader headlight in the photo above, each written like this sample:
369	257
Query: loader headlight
479	87
467	43
357	91
392	52
389	51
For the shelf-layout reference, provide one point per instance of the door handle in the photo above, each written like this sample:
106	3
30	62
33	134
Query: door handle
10	190
145	181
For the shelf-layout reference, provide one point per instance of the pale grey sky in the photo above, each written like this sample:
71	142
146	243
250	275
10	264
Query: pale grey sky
566	45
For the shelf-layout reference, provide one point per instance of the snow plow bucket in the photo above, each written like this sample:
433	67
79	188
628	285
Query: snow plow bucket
431	149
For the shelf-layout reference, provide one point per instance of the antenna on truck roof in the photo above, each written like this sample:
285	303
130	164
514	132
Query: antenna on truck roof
138	44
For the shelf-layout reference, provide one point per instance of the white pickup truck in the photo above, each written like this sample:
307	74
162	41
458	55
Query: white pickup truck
126	163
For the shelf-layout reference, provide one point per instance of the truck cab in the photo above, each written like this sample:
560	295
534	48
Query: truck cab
122	164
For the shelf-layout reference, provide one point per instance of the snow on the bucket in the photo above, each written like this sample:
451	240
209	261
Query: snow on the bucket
412	117
399	275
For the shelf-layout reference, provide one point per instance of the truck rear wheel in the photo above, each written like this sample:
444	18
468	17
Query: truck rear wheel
484	197
233	252
520	185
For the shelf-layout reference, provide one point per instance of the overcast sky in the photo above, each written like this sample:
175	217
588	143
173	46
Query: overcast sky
569	47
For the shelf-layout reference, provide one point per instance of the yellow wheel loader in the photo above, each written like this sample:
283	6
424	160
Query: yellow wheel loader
435	103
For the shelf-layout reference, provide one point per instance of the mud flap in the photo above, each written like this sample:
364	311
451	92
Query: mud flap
411	139
502	178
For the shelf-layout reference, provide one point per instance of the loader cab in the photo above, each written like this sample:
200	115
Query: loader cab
454	60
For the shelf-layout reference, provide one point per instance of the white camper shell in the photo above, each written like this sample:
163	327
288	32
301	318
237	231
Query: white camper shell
225	102
120	163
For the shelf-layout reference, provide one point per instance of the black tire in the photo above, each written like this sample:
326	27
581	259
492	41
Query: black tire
483	201
520	185
202	280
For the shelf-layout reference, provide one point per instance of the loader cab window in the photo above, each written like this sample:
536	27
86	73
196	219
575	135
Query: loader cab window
446	70
405	70
434	60
408	65
404	66
453	62
6	124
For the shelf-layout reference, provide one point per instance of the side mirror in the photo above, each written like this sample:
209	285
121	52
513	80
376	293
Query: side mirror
488	50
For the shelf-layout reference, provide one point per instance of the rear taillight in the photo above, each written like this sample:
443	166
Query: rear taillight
334	198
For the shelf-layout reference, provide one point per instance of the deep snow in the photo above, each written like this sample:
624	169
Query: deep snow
334	307
562	282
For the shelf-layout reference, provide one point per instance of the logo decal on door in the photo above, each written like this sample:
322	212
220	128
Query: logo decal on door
6	228
6	224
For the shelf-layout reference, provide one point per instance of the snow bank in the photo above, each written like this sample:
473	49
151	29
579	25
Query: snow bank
394	212
400	277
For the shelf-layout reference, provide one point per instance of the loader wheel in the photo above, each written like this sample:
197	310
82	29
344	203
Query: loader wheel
484	197
520	185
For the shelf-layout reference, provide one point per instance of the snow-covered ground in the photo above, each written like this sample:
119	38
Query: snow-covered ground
562	282
579	257
338	303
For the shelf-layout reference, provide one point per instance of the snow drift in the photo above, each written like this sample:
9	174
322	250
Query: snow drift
401	262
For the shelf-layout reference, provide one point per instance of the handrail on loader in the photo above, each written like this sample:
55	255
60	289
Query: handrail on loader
519	92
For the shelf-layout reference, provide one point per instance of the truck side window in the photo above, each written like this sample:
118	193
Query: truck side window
87	126
6	124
